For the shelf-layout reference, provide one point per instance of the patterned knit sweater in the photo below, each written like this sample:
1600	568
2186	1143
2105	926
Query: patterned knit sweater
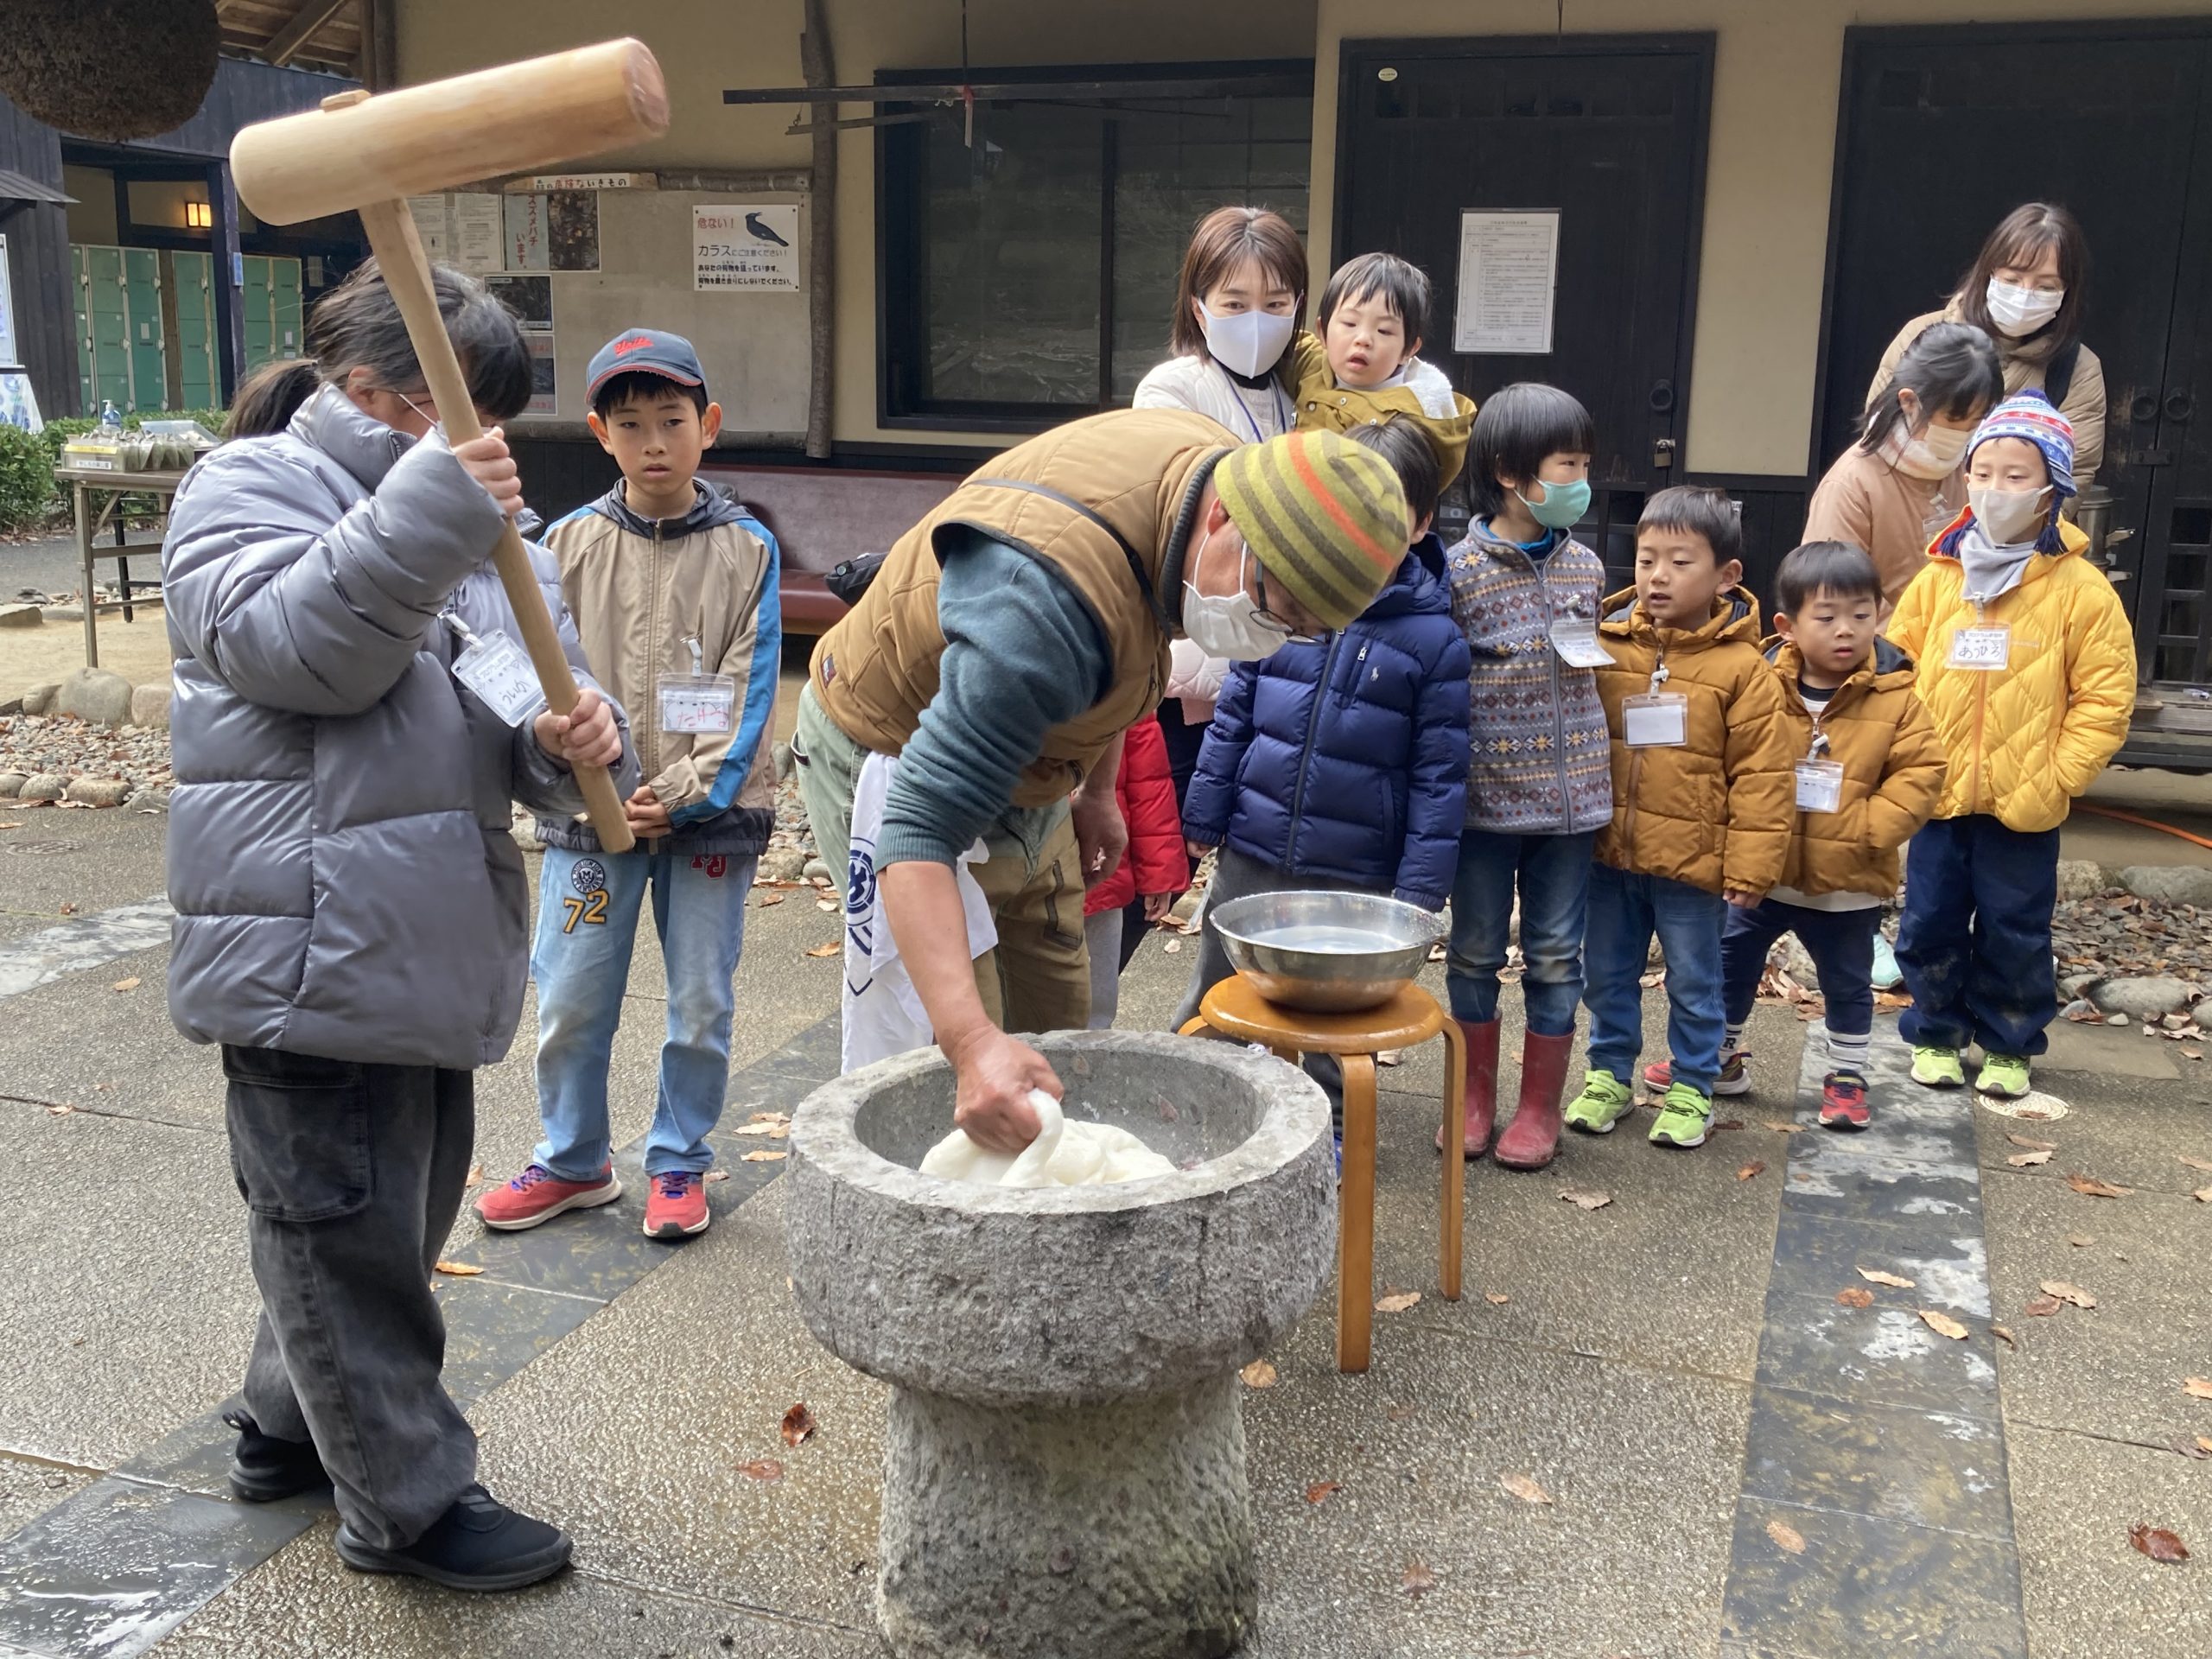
1539	759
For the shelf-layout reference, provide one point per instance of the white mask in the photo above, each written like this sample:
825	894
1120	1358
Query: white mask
2009	517
2018	311
1249	343
1934	455
1227	625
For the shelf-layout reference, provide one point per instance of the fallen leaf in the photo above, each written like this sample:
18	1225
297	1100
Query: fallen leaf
11	824
1787	1129
459	1270
769	1117
1728	1124
2158	1543
2203	1444
761	1469
2030	1142
2195	1451
715	1175
798	1425
2040	1307
1418	1581
2198	1388
2089	1187
762	1155
1524	1488
130	984
2204	1164
1786	1536
1891	1000
768	898
1173	947
1322	1491
2081	1241
2202	1195
1856	1296
1397	1301
1258	1374
1390	1057
769	1125
1750	1170
1582	1200
2067	1293
828	904
1496	1298
1999	1331
476	1175
2028	1160
829	950
1876	1276
2192	1053
69	907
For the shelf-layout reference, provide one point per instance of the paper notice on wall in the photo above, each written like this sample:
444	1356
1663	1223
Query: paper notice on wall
1508	274
433	217
544	391
526	232
531	298
479	233
736	248
572	229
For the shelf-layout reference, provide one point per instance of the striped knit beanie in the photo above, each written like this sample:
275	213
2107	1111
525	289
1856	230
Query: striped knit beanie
1323	516
2029	415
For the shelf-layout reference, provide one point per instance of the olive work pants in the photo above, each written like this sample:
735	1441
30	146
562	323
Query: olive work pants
1038	976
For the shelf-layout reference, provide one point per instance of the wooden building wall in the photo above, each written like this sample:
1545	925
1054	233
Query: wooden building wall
38	265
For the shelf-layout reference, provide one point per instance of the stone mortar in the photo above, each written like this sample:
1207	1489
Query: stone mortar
1065	1466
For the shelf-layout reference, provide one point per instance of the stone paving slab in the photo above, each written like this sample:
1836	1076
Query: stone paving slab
1927	1469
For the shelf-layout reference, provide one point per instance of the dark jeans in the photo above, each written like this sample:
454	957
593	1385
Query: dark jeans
1553	872
353	1175
1974	940
1625	909
1839	942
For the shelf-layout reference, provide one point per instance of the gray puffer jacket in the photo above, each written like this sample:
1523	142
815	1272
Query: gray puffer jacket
340	851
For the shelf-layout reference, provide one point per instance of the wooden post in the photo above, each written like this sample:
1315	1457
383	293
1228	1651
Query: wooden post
819	68
228	281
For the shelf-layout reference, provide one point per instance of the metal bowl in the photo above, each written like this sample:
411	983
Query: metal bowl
1326	952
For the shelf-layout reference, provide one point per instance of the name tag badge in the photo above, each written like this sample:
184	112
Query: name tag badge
1655	720
1820	785
497	671
696	702
1576	641
1986	649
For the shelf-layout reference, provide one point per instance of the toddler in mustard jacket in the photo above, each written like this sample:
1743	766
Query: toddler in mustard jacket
2027	667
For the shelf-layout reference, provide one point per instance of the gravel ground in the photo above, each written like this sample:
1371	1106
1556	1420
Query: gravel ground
2118	934
58	743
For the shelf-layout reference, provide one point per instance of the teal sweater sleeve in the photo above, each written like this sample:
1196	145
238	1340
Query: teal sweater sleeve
1022	655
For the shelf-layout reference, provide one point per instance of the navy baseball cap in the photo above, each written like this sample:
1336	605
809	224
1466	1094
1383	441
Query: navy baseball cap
645	351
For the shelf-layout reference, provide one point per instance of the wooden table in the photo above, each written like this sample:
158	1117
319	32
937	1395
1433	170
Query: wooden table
96	494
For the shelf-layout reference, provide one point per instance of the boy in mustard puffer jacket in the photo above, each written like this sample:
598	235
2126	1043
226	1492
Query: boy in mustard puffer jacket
1701	805
2027	666
1868	771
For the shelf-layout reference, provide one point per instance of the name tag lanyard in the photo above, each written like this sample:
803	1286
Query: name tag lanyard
1656	719
1987	647
1819	780
698	702
497	669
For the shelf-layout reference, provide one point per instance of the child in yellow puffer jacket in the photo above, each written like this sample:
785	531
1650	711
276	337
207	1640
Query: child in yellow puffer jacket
2027	666
1366	366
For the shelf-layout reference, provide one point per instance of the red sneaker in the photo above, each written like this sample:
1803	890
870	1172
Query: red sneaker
539	1195
1735	1077
675	1206
1843	1102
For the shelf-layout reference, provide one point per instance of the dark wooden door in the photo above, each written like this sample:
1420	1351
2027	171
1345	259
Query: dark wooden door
1945	132
1608	131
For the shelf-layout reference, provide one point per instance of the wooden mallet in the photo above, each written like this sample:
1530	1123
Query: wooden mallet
370	153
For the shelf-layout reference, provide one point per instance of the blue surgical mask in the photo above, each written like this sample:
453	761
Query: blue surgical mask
1563	504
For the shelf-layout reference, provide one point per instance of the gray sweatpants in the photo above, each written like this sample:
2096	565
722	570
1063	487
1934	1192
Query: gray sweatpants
353	1175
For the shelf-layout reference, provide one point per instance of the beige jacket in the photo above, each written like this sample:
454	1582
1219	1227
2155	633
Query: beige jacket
2025	363
1891	514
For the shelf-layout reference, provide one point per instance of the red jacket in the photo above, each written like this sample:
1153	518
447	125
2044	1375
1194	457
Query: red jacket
1154	862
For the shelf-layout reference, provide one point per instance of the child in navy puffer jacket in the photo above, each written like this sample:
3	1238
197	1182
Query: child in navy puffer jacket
1344	763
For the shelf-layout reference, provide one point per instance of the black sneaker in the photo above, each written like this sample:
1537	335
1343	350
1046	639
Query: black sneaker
477	1544
264	1468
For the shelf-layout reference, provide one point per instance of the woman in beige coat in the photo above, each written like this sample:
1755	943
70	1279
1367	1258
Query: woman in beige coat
2026	291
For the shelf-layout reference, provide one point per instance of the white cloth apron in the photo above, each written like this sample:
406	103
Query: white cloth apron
883	1012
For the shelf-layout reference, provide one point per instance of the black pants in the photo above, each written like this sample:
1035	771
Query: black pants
1839	942
353	1175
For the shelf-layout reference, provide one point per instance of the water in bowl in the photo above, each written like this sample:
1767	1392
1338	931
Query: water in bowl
1324	937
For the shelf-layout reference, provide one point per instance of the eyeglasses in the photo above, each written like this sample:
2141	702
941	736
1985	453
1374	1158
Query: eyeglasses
1288	632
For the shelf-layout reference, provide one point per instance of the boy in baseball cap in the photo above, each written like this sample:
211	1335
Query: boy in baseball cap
673	588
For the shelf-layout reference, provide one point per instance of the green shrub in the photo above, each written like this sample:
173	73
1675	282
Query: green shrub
27	496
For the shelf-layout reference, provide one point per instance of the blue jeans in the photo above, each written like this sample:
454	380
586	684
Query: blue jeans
587	925
1839	942
1624	911
1553	872
1974	940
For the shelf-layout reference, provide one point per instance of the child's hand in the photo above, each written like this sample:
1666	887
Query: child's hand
1743	900
488	463
1198	848
648	818
586	735
1156	906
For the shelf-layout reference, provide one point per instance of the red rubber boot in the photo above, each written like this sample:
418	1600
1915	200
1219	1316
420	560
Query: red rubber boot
1478	1106
1531	1139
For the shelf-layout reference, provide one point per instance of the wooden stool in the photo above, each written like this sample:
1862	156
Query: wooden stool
1235	1009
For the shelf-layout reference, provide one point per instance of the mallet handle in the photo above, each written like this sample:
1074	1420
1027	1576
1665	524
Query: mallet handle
407	275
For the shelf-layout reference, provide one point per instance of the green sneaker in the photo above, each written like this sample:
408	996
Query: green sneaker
1684	1116
2002	1075
1605	1100
1938	1068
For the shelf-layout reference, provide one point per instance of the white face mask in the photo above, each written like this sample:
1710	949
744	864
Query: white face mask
2019	311
1228	625
1249	343
1932	455
2009	517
